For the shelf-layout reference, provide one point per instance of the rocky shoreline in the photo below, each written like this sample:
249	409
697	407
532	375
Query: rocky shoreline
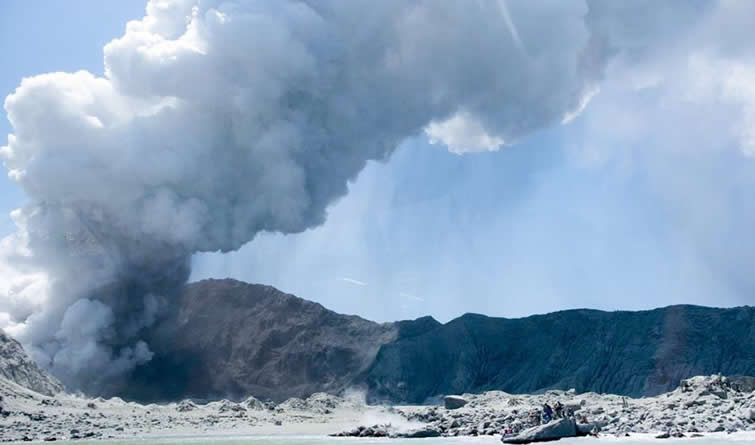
700	405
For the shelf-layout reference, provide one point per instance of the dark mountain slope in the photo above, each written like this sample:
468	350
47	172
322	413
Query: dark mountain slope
232	339
633	353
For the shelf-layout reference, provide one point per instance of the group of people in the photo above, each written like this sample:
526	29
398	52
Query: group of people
546	414
549	413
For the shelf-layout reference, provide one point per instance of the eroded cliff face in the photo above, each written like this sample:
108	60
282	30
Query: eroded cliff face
631	353
19	368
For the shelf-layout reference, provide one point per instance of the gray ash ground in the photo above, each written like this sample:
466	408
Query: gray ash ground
701	405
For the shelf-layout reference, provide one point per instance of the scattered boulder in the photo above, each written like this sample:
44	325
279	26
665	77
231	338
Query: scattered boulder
743	383
322	403
454	402
384	430
574	406
185	406
254	403
584	429
226	406
49	402
554	430
36	417
421	433
294	403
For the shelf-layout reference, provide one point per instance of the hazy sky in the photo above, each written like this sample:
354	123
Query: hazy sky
644	199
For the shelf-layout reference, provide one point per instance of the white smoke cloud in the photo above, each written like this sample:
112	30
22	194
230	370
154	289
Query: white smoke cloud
461	133
217	120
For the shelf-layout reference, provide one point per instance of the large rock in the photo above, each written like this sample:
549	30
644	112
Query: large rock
743	383
185	406
20	369
557	429
583	429
254	403
421	433
454	402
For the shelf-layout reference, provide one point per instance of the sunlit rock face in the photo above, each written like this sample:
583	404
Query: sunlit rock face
17	367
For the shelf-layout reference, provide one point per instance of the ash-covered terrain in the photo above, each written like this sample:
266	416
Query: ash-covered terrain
702	406
28	415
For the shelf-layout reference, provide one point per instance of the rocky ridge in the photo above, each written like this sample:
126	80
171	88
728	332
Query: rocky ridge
636	354
16	366
230	339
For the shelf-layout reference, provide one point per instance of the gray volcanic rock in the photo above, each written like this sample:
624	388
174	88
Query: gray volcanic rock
702	404
454	402
743	383
18	368
557	429
233	339
630	353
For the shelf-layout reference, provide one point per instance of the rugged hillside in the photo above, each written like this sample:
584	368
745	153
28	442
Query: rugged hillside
632	353
232	339
17	367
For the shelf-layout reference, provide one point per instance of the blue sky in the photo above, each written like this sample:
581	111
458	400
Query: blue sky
641	201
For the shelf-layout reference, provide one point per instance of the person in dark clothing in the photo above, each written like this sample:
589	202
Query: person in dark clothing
559	408
547	413
536	417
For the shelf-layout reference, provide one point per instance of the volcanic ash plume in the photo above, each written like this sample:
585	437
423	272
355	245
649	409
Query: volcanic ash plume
216	120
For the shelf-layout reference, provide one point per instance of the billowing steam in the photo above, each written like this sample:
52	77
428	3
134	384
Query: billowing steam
220	119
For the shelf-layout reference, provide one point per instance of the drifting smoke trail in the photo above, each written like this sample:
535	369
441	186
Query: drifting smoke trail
510	25
217	120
